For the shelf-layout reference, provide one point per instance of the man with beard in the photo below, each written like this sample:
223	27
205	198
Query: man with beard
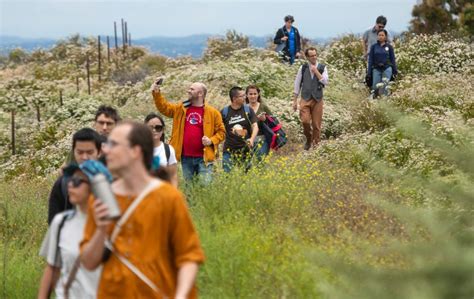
197	130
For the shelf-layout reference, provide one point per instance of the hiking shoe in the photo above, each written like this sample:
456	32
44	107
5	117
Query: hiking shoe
307	146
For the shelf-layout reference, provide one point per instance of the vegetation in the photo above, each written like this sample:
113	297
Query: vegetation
437	16
382	209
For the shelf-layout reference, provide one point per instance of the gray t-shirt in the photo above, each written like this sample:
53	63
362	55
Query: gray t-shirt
86	282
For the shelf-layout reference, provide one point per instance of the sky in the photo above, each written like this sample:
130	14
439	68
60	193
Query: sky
146	18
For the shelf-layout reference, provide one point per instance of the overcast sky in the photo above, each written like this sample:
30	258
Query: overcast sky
60	18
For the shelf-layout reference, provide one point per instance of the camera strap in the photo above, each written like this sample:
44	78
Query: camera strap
109	243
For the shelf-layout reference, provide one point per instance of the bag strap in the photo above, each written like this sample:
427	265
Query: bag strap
167	153
118	227
134	269
224	112
109	243
72	276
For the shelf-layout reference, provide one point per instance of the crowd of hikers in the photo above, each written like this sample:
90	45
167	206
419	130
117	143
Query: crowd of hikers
119	227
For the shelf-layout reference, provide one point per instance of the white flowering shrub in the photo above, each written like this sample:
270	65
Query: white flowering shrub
432	54
443	102
346	54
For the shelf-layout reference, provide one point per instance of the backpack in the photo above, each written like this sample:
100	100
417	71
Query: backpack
305	66
167	153
274	134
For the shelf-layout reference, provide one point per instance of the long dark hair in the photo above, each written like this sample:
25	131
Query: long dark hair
153	115
259	99
160	172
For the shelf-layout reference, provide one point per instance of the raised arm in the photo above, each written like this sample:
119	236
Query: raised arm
95	234
166	108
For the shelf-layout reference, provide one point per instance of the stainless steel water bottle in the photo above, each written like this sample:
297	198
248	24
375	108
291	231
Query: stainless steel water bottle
103	191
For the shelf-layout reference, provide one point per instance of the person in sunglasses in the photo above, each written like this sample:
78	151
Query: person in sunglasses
63	272
164	151
370	36
86	145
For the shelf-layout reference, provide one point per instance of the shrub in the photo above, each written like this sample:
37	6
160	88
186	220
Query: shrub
432	54
223	47
346	54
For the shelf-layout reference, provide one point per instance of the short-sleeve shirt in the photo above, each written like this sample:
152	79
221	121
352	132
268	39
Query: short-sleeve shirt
161	153
158	238
238	127
86	282
193	132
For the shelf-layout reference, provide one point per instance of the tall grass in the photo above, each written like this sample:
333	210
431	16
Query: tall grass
23	223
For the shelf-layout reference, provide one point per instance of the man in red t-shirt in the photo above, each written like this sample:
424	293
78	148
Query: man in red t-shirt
197	130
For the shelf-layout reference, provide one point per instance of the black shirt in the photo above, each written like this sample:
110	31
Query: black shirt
58	199
238	127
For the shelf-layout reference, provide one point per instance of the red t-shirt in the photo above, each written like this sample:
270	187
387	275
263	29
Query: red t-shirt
193	132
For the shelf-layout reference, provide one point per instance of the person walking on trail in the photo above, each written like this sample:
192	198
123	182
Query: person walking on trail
382	65
241	130
311	80
197	130
63	272
153	250
86	145
106	118
288	40
164	151
254	100
370	36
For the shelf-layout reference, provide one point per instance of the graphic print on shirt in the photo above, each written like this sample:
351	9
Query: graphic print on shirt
237	129
194	118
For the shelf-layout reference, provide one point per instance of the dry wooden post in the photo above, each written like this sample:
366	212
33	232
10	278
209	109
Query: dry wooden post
88	75
126	33
129	39
99	56
77	84
38	114
123	36
115	32
13	133
61	97
108	49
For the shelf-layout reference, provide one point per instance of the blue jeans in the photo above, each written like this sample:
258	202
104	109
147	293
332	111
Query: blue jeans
196	167
378	75
262	149
240	158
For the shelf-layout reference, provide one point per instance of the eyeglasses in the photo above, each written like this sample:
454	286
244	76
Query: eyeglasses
77	181
157	128
111	143
107	123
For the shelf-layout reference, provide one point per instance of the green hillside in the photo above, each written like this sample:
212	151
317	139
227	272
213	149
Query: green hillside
381	209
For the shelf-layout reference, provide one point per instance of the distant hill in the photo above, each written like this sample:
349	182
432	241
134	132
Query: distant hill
193	45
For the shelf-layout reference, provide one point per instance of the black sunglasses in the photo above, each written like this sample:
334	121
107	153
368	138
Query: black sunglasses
76	181
157	128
